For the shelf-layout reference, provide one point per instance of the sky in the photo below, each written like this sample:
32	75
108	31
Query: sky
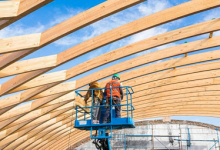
61	10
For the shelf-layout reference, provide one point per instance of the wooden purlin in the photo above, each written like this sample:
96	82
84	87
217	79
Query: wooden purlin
194	45
134	100
179	109
134	48
187	77
125	30
192	59
11	11
29	66
20	135
64	124
79	21
43	101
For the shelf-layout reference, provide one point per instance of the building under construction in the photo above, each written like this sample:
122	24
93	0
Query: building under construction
160	135
173	71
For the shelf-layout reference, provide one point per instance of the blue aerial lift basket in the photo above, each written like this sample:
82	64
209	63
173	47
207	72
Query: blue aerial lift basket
114	123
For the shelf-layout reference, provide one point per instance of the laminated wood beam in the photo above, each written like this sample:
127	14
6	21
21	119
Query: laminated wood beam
61	127
32	140
204	113
63	138
154	90
201	84
191	59
11	11
125	30
29	65
172	36
145	98
134	102
139	85
75	23
197	45
158	55
47	138
21	134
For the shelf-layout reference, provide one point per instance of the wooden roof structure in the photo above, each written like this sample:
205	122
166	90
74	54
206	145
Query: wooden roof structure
187	85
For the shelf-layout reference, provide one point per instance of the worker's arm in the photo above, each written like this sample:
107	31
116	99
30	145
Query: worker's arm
88	95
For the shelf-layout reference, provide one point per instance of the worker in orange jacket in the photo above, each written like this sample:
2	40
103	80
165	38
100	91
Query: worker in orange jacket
97	100
117	96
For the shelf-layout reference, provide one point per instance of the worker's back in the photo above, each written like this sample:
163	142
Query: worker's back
115	88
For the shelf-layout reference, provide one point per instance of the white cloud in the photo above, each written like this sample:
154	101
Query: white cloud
212	14
20	29
153	6
129	15
147	34
166	46
66	41
95	53
60	17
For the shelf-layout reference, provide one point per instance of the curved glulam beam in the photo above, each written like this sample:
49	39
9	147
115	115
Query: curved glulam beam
210	93
122	32
28	117
33	107
65	139
172	36
78	135
75	23
135	99
21	134
32	140
126	51
180	61
171	112
184	48
29	65
47	138
143	85
145	70
199	54
46	133
11	11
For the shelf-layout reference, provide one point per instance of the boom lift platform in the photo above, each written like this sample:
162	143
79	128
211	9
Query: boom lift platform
104	130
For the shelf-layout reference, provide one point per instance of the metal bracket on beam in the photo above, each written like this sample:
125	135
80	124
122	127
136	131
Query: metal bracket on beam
211	34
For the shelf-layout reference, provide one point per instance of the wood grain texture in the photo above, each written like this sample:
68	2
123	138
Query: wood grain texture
8	9
75	23
24	42
18	9
29	65
144	45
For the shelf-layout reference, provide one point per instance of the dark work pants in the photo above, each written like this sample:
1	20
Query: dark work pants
117	110
96	110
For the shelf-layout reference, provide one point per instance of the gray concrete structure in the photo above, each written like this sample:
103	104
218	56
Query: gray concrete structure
160	135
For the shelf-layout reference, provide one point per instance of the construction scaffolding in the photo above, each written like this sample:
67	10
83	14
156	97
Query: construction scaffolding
166	136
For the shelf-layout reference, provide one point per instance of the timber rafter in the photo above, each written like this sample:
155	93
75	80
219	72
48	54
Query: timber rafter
188	85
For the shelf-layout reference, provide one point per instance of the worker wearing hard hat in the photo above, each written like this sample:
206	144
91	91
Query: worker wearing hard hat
117	96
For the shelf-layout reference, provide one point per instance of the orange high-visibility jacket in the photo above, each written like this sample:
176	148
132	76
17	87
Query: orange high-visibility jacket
115	91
